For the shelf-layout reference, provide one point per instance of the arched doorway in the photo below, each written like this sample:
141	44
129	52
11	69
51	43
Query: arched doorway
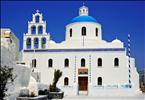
83	83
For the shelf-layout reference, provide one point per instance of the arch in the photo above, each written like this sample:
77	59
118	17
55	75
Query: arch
99	80
66	81
43	42
28	43
40	29
34	63
36	43
99	61
83	31
116	62
33	30
96	32
66	62
83	63
70	31
37	19
50	63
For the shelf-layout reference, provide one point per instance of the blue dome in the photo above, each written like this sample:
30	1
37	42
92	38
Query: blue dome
83	19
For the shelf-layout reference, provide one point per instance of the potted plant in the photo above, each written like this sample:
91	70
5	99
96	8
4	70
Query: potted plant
55	92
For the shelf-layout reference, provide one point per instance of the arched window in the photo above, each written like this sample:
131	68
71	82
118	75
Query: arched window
36	42
82	62
34	63
28	43
66	62
116	62
33	30
83	31
96	32
37	19
66	81
50	63
99	80
99	62
40	29
43	42
70	32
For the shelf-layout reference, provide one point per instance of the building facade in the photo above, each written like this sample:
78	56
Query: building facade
89	63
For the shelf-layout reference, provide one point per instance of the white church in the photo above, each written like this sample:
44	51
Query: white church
89	64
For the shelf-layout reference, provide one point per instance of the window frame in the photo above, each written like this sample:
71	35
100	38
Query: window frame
66	81
70	31
99	62
34	63
66	62
84	31
83	62
50	63
96	32
116	62
99	81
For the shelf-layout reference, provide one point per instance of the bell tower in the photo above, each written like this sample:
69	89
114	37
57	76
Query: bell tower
36	37
83	11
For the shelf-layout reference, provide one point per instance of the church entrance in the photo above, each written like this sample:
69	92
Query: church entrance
83	83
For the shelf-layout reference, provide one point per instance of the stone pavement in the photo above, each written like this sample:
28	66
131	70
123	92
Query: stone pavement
138	97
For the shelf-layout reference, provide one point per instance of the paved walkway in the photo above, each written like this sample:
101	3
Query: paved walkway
139	97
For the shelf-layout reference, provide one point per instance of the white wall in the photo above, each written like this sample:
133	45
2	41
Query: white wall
110	75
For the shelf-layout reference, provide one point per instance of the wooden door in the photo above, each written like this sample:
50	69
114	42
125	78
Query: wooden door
83	83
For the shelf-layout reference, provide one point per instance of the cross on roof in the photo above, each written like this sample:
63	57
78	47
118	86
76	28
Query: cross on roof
37	11
83	3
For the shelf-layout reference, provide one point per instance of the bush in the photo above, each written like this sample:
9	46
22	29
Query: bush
6	76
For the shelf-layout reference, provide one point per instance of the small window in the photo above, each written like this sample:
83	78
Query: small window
37	19
82	62
50	63
99	62
83	31
116	62
96	32
70	32
66	81
66	63
40	30
36	44
33	30
28	43
99	80
34	63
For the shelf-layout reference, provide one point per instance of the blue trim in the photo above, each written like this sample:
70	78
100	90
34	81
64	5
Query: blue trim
75	50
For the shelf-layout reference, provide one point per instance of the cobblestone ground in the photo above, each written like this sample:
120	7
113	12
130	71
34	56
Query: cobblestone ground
138	97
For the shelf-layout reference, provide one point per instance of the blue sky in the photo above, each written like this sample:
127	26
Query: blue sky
118	18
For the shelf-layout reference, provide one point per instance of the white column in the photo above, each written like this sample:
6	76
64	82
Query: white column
36	29
32	43
39	43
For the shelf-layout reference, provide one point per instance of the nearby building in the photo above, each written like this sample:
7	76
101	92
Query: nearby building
88	62
10	44
10	58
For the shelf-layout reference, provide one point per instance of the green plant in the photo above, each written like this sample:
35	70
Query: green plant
6	77
57	75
